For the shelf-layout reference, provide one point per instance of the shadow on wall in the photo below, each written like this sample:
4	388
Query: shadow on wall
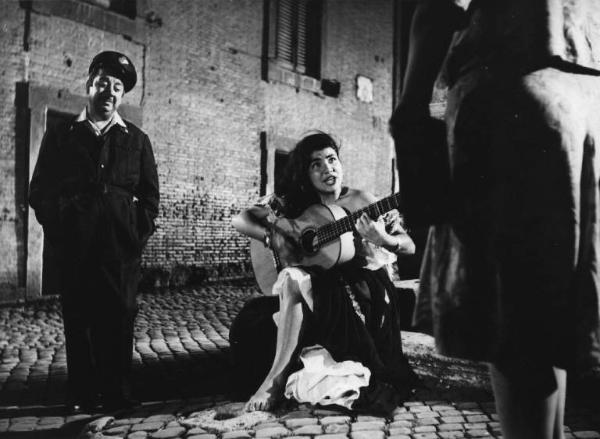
156	278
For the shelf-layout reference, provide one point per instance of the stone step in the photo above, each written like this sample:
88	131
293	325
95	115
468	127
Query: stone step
421	352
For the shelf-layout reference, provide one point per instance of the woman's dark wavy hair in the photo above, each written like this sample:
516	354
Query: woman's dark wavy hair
295	188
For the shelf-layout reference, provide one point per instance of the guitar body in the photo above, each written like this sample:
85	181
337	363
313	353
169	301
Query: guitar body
308	253
264	266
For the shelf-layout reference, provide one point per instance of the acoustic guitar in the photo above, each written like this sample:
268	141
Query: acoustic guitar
322	236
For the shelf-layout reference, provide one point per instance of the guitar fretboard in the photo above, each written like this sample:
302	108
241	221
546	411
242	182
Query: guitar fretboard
333	230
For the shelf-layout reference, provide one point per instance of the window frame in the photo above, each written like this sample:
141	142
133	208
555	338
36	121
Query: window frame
113	6
272	144
94	15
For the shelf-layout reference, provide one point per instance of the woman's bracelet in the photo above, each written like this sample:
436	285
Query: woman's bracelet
267	238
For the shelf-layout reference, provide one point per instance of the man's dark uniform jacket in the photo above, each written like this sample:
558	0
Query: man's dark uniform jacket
96	198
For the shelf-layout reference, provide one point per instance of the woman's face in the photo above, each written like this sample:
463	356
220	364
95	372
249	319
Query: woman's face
325	171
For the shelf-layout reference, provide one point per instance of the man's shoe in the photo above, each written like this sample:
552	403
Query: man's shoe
82	401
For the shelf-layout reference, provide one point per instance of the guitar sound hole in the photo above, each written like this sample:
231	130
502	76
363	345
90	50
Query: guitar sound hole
308	241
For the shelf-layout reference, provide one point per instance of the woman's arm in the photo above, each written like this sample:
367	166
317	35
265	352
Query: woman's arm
420	140
432	27
375	231
253	222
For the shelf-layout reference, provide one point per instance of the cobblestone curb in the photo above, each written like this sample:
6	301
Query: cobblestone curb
412	420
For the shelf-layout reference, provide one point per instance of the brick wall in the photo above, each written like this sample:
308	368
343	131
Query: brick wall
11	211
207	101
204	107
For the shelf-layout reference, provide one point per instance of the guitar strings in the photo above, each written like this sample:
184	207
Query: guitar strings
333	230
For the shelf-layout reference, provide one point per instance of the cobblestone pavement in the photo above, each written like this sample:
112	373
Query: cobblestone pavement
181	376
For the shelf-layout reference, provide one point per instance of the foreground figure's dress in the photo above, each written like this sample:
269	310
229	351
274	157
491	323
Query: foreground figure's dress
513	277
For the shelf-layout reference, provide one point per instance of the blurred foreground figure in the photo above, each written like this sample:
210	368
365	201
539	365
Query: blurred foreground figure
510	273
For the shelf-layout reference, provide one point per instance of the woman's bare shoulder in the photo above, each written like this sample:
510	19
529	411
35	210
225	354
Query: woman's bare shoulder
355	199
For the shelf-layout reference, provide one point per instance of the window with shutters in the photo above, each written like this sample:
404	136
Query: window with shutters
292	45
298	35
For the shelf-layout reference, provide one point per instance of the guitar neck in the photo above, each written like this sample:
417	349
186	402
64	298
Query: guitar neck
335	229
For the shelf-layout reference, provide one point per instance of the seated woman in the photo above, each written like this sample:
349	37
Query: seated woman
350	309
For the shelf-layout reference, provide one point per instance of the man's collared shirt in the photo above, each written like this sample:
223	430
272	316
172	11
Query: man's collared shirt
115	120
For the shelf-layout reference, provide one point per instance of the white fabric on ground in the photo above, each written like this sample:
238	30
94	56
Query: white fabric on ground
325	381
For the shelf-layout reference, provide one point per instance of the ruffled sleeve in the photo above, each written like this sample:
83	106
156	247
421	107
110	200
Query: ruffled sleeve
394	222
274	204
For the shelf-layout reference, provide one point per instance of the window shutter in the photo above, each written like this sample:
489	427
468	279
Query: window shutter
301	42
298	42
285	31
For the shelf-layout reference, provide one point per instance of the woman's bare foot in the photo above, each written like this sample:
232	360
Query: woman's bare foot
268	395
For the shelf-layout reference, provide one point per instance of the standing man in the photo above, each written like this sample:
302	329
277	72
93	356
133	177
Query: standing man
95	192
